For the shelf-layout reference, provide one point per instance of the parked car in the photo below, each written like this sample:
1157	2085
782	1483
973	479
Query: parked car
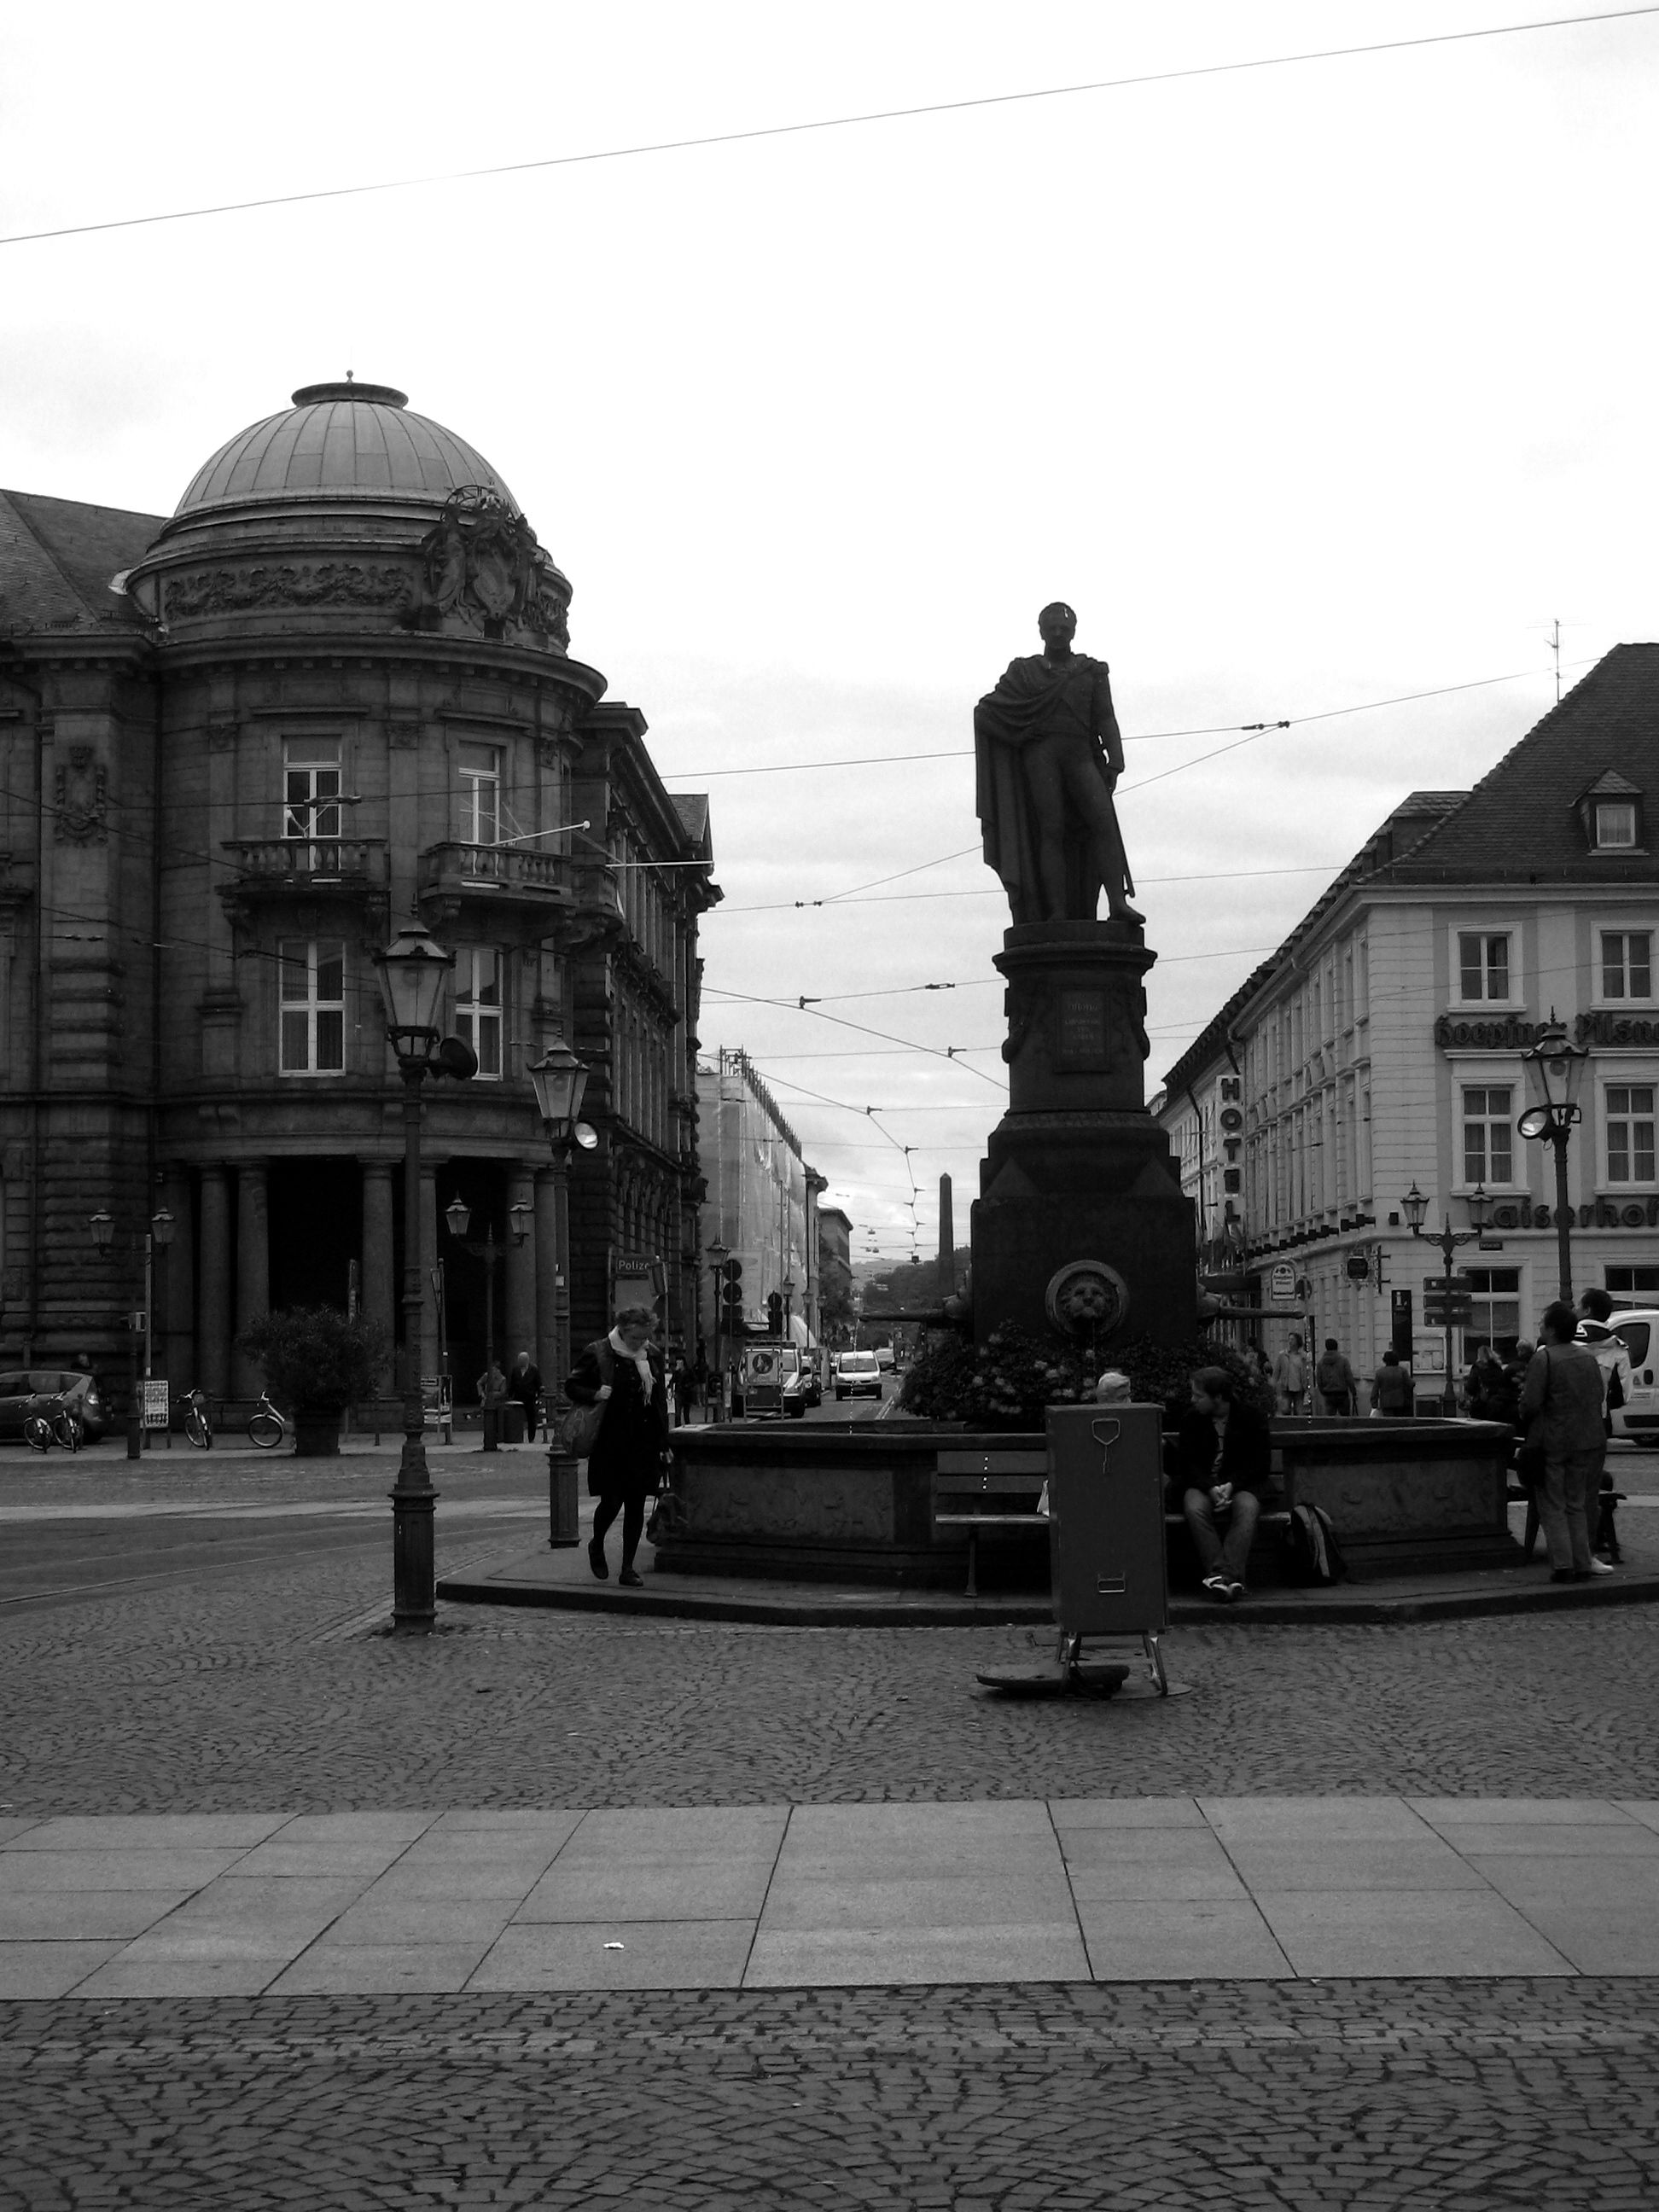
1637	1329
884	1357
857	1374
32	1389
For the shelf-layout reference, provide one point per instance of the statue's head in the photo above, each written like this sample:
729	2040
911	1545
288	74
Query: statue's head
1057	622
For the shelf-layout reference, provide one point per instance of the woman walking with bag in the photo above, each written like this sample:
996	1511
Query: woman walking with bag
622	1373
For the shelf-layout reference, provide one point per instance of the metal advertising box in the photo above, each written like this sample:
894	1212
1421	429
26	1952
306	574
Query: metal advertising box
155	1404
1106	1519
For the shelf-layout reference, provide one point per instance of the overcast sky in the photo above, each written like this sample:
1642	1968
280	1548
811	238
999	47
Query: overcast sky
1308	385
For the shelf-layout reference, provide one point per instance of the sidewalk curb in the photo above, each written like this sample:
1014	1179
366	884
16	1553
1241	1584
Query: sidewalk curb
1316	1609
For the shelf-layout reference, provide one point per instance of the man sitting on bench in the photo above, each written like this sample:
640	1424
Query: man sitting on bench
1223	1460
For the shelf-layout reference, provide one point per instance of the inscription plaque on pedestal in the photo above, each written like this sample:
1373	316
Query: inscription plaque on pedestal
1082	1042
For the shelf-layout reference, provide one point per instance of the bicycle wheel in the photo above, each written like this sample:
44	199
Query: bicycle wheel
266	1431
38	1429
197	1429
66	1430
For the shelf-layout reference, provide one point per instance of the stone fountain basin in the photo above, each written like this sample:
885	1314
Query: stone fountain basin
852	1502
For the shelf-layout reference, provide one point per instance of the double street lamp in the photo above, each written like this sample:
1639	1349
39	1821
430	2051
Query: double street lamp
559	1079
1559	1065
459	1215
1415	1205
157	1236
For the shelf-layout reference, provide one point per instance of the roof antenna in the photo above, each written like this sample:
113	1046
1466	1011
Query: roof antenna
1553	642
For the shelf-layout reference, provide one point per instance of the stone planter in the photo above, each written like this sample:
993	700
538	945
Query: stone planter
317	1432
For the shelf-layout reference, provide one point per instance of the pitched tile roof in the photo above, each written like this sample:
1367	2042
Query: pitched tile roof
57	556
1520	823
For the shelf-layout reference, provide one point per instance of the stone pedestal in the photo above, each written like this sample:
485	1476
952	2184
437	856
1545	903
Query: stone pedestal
1077	1170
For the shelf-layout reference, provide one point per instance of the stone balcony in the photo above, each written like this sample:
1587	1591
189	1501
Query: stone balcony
525	893
347	870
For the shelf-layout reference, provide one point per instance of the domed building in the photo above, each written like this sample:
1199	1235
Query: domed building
242	744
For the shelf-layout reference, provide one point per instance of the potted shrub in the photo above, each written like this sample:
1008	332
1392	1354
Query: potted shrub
316	1363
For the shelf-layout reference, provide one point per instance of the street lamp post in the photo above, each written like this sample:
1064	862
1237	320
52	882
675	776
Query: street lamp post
719	1254
1415	1205
412	971
559	1079
157	1236
1559	1065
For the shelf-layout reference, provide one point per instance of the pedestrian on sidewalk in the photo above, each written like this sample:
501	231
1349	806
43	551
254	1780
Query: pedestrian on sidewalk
525	1384
492	1385
1561	1407
1291	1377
624	1373
1393	1394
1224	1459
1334	1380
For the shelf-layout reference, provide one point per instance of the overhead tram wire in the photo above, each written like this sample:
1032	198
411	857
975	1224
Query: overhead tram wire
818	124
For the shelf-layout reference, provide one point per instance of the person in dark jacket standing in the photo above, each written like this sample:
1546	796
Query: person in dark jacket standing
624	1373
525	1384
1561	1407
1225	1466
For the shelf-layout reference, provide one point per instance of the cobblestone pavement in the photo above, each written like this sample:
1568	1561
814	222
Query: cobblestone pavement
262	1687
1408	2095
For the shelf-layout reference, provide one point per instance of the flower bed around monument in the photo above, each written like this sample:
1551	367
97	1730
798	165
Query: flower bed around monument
1006	1382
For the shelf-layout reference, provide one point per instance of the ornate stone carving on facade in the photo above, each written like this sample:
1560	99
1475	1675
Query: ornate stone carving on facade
483	563
82	792
291	584
403	735
221	733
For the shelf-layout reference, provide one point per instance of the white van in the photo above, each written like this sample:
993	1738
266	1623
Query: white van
1637	1327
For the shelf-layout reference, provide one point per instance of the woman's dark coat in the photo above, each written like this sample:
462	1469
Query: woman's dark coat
625	1462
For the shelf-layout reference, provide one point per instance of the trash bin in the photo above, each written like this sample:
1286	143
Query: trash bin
563	1500
1106	1523
510	1414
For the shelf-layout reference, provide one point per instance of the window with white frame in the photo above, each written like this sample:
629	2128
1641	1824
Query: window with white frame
1483	964
1488	1152
1632	1282
480	771
1626	964
1616	823
1495	1318
1628	1125
478	1004
311	787
312	989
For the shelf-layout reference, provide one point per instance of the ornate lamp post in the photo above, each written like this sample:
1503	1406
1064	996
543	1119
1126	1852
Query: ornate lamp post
157	1236
413	967
559	1079
1415	1205
1559	1065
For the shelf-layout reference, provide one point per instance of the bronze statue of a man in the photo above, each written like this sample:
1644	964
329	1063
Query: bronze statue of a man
1049	754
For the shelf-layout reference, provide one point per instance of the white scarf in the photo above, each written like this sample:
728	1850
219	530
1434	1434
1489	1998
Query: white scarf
641	1359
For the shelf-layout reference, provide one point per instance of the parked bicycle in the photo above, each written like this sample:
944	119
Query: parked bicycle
55	1421
196	1423
266	1427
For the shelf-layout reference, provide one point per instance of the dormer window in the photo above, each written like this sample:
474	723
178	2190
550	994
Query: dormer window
1611	812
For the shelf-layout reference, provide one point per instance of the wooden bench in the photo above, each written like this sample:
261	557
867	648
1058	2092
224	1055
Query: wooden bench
1607	1525
978	1490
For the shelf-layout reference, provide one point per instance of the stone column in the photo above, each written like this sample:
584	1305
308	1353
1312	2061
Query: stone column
380	1287
429	1261
253	1267
213	1336
519	1331
552	1297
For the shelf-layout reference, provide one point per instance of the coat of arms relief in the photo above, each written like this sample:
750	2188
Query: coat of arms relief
483	563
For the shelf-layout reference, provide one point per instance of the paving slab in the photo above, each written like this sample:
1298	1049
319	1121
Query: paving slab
1149	1940
30	1971
719	1889
331	1969
24	1874
343	1858
127	1976
526	1821
83	1916
126	1832
1433	1932
370	1827
1289	1819
1343	1864
10	1829
375	1921
660	1954
851	1957
1116	1814
1595	1942
1585	1839
1450	1814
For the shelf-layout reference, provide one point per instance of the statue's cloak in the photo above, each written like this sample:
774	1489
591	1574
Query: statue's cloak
1032	692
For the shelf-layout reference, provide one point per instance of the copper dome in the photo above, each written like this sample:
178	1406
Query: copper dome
341	441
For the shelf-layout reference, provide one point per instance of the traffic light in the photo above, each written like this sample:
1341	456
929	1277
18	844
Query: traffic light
731	1275
775	1311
